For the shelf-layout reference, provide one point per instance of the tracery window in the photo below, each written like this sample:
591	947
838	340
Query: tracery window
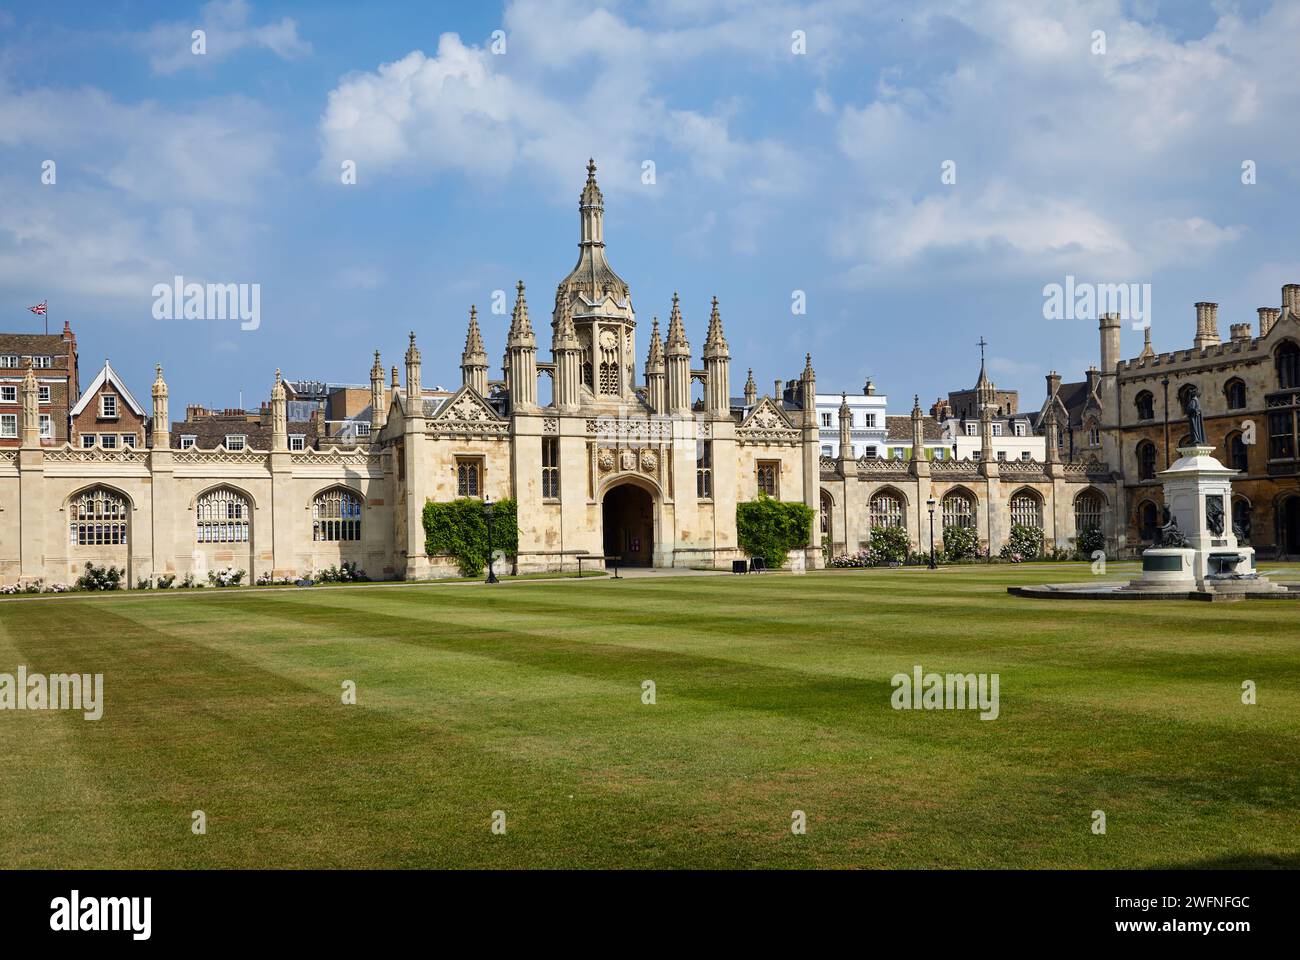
99	518
887	510
1027	511
1087	512
958	510
336	515
222	516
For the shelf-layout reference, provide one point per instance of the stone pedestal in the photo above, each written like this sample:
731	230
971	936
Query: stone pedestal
1198	492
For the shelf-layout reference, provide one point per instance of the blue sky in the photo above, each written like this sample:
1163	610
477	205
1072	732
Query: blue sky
775	172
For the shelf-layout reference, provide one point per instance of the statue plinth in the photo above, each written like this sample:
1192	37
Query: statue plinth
1198	549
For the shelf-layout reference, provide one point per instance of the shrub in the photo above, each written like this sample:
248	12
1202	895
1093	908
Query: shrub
100	578
1025	543
1089	541
960	543
189	583
771	528
347	573
888	545
458	529
266	580
225	577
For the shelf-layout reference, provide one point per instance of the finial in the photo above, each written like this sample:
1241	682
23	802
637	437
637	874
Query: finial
277	374
591	168
519	286
412	338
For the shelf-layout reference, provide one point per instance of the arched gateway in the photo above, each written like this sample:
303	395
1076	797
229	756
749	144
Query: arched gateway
628	518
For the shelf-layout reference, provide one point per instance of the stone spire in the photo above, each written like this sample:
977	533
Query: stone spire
378	400
655	371
566	351
521	355
918	429
1052	437
414	392
591	207
161	424
717	366
31	407
846	424
474	361
808	381
279	415
985	392
751	389
395	386
678	354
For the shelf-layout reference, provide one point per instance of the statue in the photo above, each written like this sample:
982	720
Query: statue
1170	535
1214	514
1195	422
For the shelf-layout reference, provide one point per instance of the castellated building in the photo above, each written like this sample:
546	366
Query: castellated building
616	464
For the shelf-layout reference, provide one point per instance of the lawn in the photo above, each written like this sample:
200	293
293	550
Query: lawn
773	695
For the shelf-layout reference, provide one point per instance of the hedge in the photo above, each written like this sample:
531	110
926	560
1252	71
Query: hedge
770	528
459	529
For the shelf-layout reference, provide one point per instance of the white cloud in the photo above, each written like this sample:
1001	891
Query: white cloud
228	31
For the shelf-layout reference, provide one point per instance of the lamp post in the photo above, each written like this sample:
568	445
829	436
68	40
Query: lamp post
487	515
930	503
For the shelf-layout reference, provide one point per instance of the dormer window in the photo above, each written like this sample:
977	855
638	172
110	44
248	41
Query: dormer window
188	440
236	441
297	441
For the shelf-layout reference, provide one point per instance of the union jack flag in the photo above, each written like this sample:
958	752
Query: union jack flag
39	309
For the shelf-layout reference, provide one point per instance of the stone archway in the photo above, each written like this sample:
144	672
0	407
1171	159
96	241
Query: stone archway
628	521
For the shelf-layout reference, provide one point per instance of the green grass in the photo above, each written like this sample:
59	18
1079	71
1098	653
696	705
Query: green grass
773	695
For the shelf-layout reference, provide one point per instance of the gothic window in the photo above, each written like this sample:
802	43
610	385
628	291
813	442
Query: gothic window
704	471
1185	393
827	509
1235	392
958	510
1146	405
1288	365
586	374
1094	435
222	516
609	378
469	477
887	510
336	515
1027	510
1087	512
550	468
1148	525
1146	457
99	518
1236	449
769	477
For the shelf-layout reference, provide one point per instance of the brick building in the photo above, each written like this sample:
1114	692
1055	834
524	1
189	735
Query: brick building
54	359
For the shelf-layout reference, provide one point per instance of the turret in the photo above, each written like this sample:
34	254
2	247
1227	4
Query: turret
414	392
846	421
1108	326
378	401
31	392
751	389
717	366
474	361
279	416
521	356
1267	317
161	424
918	429
566	351
677	353
808	386
655	372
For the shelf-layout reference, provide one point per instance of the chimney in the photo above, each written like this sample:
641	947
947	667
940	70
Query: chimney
1207	325
1239	332
1093	375
778	391
1267	317
869	389
1291	298
1053	383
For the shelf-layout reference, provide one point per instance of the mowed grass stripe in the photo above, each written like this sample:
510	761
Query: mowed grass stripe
752	724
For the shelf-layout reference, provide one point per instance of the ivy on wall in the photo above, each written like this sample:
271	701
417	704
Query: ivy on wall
770	528
458	529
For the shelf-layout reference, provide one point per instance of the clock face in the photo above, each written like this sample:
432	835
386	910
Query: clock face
608	339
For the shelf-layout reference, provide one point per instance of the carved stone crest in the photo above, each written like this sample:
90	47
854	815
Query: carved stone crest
605	460
627	460
649	460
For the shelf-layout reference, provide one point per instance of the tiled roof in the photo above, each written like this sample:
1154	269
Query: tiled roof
210	432
900	428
